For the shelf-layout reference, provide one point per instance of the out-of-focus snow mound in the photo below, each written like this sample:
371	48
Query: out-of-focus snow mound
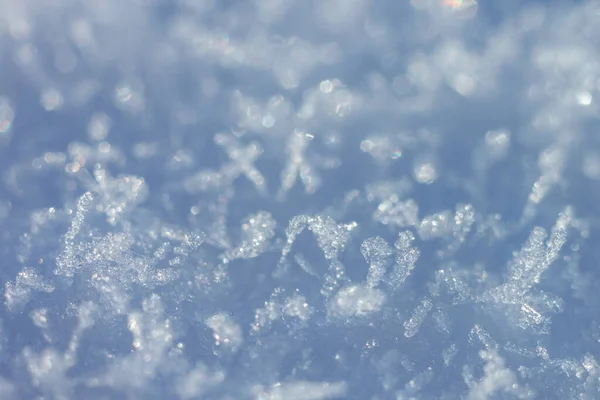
299	199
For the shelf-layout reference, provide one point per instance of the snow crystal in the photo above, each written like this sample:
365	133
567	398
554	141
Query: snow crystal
331	237
17	293
406	258
356	301
377	253
526	270
241	163
280	307
401	214
412	325
257	231
298	166
282	199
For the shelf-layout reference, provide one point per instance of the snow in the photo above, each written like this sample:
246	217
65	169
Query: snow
299	199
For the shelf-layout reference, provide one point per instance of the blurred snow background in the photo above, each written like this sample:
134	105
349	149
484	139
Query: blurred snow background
299	199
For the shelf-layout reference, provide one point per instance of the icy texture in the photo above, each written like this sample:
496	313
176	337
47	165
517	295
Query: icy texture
378	253
357	300
412	325
257	231
406	258
299	199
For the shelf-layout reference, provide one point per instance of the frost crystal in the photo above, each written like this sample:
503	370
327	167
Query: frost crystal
241	162
412	325
436	225
288	199
525	271
257	231
281	307
28	281
449	226
120	194
331	236
67	261
298	166
377	253
356	301
406	258
551	163
401	214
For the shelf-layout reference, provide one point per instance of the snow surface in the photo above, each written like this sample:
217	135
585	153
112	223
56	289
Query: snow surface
299	199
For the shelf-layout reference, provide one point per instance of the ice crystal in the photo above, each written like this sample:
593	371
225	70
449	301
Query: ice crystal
281	199
377	252
331	237
257	230
412	325
357	301
406	258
